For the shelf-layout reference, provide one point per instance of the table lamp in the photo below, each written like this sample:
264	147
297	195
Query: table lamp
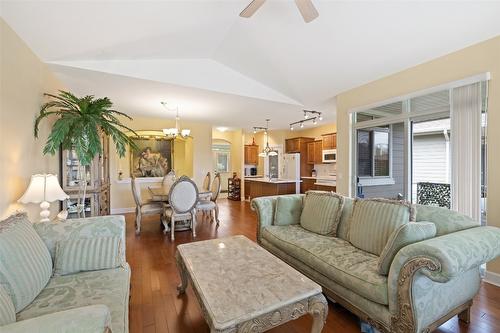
43	189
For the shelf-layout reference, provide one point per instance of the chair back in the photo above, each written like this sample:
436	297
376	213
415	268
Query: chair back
136	191
216	185
183	195
168	180
206	183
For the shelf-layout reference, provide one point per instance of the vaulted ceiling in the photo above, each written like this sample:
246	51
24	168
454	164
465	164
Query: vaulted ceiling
232	71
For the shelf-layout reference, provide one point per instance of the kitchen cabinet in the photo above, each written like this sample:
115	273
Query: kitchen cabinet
330	141
328	188
299	145
307	184
252	154
310	153
315	152
264	189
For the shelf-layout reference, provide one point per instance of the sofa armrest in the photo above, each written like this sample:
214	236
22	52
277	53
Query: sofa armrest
441	259
100	226
264	207
87	319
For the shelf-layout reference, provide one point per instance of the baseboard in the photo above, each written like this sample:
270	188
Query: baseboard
492	278
122	210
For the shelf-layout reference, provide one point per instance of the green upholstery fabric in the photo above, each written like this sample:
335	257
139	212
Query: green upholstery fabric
345	219
377	312
333	257
446	221
88	319
374	220
321	212
25	263
101	226
7	310
456	253
406	234
109	287
87	254
288	210
435	299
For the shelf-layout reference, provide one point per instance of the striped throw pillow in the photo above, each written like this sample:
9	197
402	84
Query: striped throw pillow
374	220
87	254
7	310
25	262
321	212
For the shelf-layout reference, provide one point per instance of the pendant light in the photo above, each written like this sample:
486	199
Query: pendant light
175	131
267	151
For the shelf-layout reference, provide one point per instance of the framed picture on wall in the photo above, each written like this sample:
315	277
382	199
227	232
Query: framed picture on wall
153	158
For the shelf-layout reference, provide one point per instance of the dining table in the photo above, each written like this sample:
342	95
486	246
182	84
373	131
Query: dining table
160	194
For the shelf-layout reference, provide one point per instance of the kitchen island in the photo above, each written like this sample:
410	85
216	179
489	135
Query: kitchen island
262	187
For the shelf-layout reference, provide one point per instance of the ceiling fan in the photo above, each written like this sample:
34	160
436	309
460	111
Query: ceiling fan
306	8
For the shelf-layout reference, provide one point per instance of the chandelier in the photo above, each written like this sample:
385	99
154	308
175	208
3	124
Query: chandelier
175	131
267	151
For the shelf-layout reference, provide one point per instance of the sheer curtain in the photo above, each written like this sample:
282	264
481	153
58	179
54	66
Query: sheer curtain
466	150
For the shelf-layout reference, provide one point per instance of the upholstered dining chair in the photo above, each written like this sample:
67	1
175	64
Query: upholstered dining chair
210	205
182	200
168	180
144	207
206	183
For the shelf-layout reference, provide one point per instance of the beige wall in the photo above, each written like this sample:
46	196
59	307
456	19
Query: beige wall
234	137
480	58
201	155
24	79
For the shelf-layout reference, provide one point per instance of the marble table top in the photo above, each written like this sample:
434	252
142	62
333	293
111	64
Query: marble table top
238	280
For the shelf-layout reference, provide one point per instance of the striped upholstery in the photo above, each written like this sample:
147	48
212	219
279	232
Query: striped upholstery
87	254
374	220
25	262
321	212
7	310
406	234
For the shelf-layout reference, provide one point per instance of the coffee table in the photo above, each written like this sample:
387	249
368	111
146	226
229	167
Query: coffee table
243	288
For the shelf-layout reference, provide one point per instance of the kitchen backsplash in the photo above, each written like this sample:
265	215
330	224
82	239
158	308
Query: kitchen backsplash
325	169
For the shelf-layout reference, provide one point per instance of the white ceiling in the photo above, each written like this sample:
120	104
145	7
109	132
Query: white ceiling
236	72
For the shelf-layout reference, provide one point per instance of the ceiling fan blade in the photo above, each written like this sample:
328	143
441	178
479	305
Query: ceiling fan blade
252	8
307	10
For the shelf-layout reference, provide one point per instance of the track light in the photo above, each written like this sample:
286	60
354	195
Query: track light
314	121
320	118
306	115
291	128
301	125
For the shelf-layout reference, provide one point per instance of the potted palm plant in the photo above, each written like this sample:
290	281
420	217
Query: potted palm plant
79	122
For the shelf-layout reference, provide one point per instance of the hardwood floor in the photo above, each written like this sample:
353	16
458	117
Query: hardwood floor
155	306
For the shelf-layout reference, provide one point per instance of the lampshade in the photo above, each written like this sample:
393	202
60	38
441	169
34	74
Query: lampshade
43	187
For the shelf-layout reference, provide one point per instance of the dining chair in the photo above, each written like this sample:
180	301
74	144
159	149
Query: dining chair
144	207
182	200
211	204
206	183
168	181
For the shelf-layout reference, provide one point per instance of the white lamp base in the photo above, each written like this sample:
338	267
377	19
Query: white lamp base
45	213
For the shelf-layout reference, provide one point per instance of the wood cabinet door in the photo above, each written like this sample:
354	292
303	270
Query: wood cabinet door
311	153
252	154
318	152
330	141
292	145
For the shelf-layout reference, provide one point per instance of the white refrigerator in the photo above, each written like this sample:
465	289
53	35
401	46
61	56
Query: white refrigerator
291	169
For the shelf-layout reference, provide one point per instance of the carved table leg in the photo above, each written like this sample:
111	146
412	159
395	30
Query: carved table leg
181	288
318	308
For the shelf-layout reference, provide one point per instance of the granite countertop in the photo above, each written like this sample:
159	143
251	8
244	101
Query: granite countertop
255	176
274	181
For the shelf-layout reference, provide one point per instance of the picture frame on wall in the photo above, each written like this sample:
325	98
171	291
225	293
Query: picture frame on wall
153	158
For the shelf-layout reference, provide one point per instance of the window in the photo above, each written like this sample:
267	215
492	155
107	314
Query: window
374	152
221	157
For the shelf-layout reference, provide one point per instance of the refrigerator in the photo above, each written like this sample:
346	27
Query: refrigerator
291	169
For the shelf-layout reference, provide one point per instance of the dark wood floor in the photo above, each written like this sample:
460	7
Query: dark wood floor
155	306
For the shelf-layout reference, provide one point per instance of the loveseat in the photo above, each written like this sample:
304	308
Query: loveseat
63	277
426	281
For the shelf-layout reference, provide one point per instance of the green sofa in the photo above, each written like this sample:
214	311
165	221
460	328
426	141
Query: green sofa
428	282
89	301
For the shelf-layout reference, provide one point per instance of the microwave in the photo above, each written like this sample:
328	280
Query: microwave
329	155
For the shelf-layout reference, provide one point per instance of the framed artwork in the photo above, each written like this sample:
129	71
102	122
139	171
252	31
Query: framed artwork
153	158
